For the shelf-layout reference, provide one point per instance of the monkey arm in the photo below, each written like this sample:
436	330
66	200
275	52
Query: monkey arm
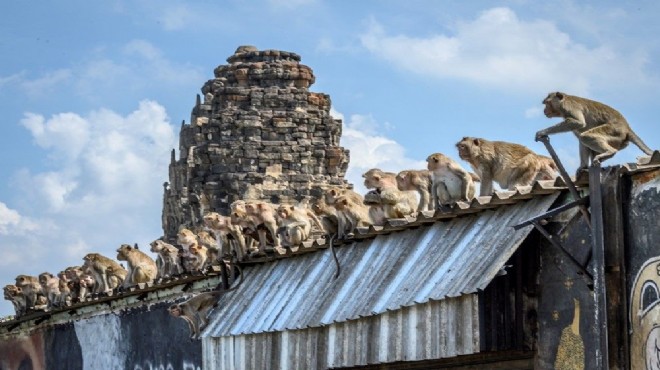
576	123
389	197
465	178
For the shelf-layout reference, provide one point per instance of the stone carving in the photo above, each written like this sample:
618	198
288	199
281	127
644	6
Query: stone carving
258	133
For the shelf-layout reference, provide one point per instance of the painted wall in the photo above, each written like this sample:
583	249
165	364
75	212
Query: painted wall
146	338
643	270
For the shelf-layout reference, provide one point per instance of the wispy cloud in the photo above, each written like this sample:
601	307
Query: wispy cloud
103	187
498	49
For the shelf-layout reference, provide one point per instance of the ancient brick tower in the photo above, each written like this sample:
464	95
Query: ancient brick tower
259	133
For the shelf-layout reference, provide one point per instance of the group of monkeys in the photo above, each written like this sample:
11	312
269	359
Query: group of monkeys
253	226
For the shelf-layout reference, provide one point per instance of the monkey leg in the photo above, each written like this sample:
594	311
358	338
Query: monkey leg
603	140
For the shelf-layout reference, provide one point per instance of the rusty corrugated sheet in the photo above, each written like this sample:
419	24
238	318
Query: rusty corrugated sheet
432	330
444	259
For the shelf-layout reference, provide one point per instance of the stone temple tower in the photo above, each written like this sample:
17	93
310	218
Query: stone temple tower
257	133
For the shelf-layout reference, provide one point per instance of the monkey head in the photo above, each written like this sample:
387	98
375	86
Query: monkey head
553	104
174	310
44	277
11	291
156	246
238	207
436	161
468	148
213	220
342	203
319	207
25	279
124	251
284	211
206	238
186	237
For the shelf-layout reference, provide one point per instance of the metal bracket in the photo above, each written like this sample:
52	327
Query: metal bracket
537	222
567	179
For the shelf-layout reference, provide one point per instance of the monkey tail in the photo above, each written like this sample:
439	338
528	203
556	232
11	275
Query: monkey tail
632	137
334	255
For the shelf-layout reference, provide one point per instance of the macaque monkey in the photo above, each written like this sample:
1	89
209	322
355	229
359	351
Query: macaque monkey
141	268
88	284
72	277
207	240
451	182
96	265
223	228
355	214
31	289
508	164
15	295
332	194
296	223
601	129
50	285
198	257
250	215
419	181
195	310
376	210
66	294
116	277
396	203
194	255
167	262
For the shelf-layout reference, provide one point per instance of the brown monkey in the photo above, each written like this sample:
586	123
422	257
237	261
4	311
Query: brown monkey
72	276
355	214
601	129
96	266
262	213
15	295
329	217
396	203
508	164
198	257
167	262
376	209
141	268
31	289
116	277
296	223
331	195
207	240
419	181
451	182
88	284
195	310
50	286
66	294
229	236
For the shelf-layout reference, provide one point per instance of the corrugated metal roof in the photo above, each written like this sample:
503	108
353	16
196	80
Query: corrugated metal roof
444	259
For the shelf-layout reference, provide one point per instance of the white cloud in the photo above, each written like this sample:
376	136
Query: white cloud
176	17
106	191
369	149
46	83
498	49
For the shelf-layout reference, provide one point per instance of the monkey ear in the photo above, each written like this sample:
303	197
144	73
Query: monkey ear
476	141
559	95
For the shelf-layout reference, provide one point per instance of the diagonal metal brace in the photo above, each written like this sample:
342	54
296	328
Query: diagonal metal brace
567	179
552	212
558	245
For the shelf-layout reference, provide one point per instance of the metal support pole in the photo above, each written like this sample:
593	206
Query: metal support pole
567	179
600	291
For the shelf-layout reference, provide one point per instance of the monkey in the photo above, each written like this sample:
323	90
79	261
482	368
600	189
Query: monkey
223	228
396	203
66	293
72	277
296	223
419	181
116	277
167	262
198	257
376	209
96	265
508	164
88	284
601	130
253	214
332	194
329	217
31	289
50	285
141	268
15	295
207	240
195	310
451	182
356	214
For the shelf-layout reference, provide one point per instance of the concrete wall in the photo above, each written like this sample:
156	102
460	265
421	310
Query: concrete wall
142	338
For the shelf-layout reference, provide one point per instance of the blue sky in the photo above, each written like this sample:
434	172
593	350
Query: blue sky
92	94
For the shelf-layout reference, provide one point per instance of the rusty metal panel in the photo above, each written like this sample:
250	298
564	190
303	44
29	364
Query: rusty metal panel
445	259
433	330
